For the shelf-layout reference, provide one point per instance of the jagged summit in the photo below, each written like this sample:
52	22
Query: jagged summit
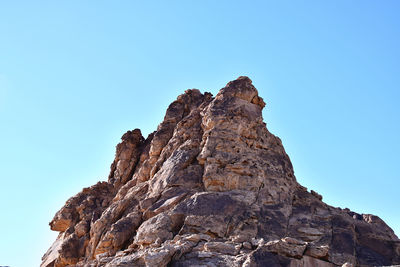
241	88
211	187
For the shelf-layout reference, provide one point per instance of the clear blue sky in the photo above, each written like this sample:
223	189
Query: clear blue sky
75	75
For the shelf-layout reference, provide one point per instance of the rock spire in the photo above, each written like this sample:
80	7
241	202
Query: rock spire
211	187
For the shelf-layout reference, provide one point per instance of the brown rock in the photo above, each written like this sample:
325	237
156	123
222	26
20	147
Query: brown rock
221	247
119	233
307	261
287	246
211	187
318	252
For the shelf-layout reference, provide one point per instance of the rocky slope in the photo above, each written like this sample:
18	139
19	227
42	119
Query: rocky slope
211	187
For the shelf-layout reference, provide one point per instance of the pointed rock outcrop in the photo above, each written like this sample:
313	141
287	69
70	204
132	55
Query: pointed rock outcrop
211	187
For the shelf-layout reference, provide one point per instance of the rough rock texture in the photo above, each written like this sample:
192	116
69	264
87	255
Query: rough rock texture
212	187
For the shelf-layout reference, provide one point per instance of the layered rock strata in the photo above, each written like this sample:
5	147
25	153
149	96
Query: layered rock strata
211	187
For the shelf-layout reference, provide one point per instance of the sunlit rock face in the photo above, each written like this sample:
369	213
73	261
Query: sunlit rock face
211	187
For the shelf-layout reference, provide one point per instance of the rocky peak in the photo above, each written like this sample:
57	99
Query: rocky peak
211	187
241	88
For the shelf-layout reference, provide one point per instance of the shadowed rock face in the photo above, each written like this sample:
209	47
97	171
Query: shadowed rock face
211	187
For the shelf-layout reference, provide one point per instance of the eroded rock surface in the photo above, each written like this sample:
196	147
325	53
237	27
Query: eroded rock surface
212	187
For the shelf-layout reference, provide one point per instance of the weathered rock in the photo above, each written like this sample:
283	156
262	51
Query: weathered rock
119	233
212	187
307	261
287	246
221	247
318	252
126	158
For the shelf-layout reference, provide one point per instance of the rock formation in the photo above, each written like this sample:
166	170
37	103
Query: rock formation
212	187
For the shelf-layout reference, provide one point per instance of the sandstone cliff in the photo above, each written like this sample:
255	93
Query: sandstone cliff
211	187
